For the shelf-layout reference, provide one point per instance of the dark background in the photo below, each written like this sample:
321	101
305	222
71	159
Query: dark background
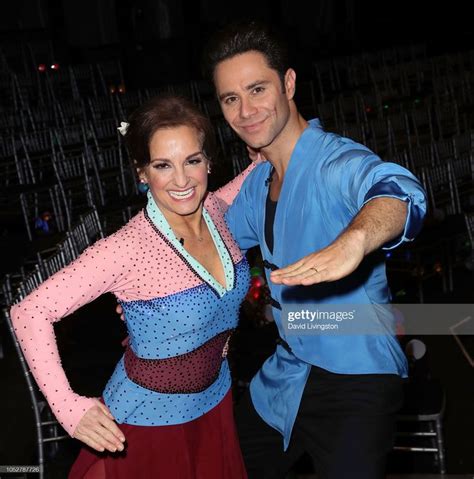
159	41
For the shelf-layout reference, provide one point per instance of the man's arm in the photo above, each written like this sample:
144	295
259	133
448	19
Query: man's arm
379	221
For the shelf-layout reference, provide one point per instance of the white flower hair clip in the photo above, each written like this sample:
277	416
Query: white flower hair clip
123	128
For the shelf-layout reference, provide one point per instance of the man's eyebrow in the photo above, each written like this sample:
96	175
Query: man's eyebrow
257	83
251	86
226	94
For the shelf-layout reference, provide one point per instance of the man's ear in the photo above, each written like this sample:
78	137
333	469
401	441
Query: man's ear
290	83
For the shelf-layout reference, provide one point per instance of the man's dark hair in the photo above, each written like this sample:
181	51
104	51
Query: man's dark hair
242	37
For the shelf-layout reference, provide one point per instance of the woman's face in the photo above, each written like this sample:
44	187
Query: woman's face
177	172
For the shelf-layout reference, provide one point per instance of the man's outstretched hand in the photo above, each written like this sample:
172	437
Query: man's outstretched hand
379	221
334	262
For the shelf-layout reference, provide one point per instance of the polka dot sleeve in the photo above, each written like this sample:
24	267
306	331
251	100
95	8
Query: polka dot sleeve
98	270
229	191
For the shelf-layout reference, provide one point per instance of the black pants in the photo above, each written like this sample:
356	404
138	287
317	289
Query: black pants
345	422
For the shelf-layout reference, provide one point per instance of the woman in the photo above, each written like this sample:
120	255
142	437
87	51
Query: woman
180	278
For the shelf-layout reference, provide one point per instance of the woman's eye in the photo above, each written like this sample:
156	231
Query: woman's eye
195	161
160	166
229	100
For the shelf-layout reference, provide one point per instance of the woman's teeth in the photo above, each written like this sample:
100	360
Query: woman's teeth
181	194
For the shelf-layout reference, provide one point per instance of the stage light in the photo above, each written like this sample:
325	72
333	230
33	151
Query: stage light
257	281
255	271
255	293
55	66
41	67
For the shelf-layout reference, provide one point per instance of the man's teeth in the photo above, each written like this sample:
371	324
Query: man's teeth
182	194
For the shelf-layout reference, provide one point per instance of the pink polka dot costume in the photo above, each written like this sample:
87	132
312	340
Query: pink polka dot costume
179	319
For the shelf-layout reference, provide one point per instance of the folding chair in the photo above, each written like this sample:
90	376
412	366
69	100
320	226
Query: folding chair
442	189
37	203
422	122
48	431
92	225
355	132
74	183
423	156
420	422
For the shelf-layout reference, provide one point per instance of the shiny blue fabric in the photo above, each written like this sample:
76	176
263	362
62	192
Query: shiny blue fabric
170	326
328	180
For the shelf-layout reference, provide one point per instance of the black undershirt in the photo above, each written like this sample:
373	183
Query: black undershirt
270	209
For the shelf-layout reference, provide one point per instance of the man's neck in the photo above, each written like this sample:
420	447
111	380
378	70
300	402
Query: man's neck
280	151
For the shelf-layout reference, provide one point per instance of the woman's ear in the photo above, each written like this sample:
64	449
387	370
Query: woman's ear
141	175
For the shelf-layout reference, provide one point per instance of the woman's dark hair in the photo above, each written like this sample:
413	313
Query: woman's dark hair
242	37
163	112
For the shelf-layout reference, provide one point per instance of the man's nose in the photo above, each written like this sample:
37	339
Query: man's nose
247	109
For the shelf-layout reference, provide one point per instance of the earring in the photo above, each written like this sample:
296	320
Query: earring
208	170
143	186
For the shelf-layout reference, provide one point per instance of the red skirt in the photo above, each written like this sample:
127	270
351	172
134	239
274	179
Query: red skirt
205	448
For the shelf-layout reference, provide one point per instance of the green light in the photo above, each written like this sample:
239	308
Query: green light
255	271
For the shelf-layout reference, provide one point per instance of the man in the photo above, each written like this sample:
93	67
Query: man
320	208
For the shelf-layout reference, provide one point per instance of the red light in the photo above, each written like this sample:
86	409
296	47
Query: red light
256	281
112	89
55	66
256	294
368	109
42	67
121	89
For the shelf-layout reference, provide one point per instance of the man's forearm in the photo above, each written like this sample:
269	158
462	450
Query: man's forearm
379	221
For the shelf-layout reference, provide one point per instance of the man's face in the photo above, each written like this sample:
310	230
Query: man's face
252	98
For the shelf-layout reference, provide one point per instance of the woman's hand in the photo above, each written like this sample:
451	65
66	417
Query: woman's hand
119	311
98	429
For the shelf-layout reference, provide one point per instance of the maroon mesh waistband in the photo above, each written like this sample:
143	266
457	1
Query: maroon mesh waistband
191	372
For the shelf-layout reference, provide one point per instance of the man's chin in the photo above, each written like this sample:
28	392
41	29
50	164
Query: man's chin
255	144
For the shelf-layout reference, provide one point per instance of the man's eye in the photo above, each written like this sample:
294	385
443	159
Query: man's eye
258	89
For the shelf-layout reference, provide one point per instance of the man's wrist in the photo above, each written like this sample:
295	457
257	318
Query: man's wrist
357	237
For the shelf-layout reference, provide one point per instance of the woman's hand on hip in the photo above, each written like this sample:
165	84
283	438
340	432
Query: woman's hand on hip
98	429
